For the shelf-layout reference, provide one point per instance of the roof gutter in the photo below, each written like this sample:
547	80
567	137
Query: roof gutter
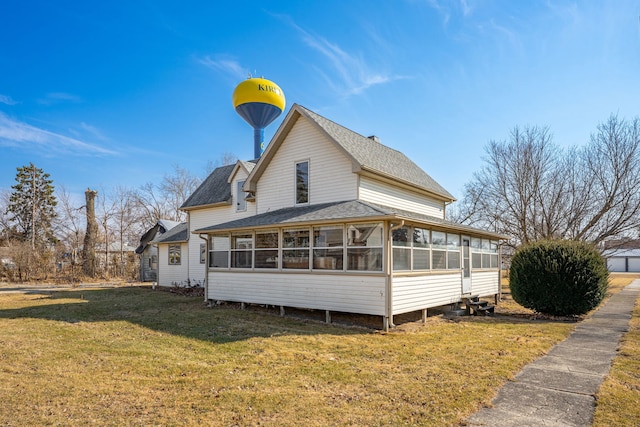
206	265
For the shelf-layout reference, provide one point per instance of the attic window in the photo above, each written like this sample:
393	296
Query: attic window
241	197
302	182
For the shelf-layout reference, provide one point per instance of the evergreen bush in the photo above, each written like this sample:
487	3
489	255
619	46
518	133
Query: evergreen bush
558	277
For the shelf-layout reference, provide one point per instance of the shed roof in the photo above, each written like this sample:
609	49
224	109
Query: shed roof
339	211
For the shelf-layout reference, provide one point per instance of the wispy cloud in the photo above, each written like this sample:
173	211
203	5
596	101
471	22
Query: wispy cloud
228	66
21	135
447	9
59	97
5	99
97	133
350	73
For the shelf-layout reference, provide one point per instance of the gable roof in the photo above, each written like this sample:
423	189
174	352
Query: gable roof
215	189
179	233
247	166
337	212
162	226
366	154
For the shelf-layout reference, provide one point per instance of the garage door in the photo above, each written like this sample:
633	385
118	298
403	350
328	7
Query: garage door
634	264
616	264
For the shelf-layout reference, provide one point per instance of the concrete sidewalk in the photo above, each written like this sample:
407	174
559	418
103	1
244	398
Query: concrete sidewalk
559	388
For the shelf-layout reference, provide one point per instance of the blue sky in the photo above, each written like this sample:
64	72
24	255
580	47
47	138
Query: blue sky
116	93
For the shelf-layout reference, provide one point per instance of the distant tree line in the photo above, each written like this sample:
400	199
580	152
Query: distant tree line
530	189
46	234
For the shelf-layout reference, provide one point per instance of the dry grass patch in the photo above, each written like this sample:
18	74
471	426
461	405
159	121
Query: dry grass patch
619	396
131	356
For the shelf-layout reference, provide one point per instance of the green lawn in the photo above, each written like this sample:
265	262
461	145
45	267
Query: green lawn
133	356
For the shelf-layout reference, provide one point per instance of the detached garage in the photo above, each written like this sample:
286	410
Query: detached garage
624	260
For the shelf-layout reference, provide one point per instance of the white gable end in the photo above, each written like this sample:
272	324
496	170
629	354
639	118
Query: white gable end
330	171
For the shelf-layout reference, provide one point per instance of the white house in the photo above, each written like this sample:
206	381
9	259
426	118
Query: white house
149	252
331	220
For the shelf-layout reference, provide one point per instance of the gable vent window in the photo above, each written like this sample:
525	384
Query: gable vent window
241	197
302	182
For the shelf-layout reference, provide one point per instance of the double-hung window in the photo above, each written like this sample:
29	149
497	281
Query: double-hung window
175	253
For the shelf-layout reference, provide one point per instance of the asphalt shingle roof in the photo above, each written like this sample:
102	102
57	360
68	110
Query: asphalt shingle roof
349	210
372	155
179	233
214	189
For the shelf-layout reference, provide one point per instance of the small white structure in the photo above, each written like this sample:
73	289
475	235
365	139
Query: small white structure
332	220
623	260
149	252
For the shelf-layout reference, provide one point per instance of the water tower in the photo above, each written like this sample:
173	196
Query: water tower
259	102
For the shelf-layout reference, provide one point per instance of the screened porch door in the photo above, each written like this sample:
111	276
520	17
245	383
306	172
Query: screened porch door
466	265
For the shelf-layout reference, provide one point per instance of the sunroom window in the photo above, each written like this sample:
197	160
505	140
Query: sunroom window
219	252
241	250
439	250
266	249
421	249
295	248
453	251
402	248
328	247
364	247
476	252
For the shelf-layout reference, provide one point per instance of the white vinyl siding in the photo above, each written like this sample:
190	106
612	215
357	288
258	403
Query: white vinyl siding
330	173
485	283
170	274
385	194
413	293
347	293
201	218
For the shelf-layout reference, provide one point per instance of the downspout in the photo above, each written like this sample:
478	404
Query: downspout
389	319
206	266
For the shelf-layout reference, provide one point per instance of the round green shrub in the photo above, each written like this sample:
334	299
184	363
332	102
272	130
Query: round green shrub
558	277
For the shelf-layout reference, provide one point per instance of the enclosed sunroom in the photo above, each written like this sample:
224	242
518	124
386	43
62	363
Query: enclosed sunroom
350	256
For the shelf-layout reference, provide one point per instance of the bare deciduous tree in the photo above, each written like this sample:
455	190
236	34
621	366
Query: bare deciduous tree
68	224
163	200
530	189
